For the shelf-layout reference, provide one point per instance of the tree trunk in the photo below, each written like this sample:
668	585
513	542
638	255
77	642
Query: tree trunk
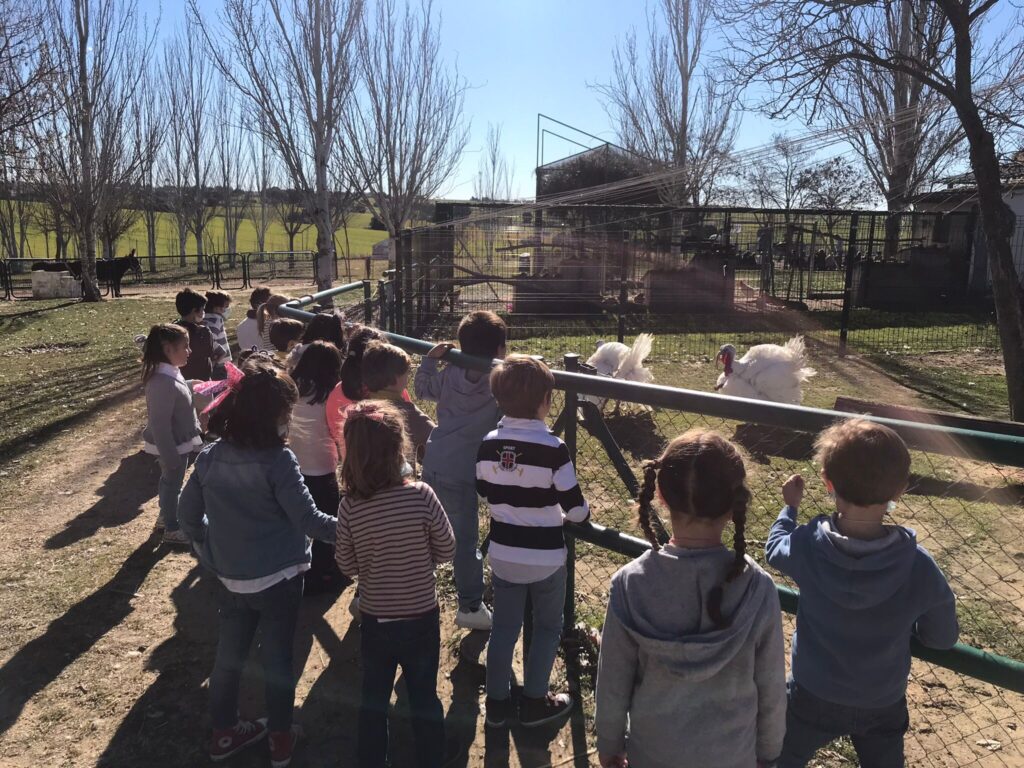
90	285
151	218
200	253
182	241
324	231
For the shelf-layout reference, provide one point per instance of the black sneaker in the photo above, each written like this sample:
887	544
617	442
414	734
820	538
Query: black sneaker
534	712
498	711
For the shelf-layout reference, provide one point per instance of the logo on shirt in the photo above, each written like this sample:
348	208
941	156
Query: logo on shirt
508	459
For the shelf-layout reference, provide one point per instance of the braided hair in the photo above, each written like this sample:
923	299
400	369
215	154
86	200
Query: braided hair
700	474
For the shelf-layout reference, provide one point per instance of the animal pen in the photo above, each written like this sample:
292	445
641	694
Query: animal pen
965	500
873	281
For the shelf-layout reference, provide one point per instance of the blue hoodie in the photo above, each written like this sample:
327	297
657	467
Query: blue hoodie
857	612
466	412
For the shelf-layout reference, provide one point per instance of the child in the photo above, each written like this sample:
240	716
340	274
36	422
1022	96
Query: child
249	514
265	317
525	474
692	669
172	429
326	326
316	375
392	534
386	375
466	411
191	307
218	307
284	335
865	589
247	331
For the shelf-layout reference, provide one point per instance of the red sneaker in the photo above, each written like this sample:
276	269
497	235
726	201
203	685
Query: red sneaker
230	741
282	744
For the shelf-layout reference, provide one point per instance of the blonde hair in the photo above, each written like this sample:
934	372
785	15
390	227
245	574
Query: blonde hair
153	349
269	309
866	463
700	474
376	445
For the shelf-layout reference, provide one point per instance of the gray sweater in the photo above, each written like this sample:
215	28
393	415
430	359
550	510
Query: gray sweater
172	425
673	690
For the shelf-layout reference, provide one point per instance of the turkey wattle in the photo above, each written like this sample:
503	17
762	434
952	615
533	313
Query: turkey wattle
615	359
766	372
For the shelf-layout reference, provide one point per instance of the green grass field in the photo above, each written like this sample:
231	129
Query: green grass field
360	238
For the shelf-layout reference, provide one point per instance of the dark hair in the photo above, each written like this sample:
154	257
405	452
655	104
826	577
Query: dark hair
376	445
318	371
867	463
383	363
700	474
268	309
326	326
285	331
521	384
188	301
259	296
153	349
482	334
217	299
250	417
359	337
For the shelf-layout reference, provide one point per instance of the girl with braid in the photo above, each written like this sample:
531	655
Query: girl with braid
692	671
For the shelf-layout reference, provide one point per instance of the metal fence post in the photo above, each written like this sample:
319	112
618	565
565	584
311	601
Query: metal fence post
367	303
851	253
405	278
572	365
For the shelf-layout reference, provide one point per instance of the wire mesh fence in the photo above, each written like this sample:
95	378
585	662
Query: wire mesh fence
877	282
966	512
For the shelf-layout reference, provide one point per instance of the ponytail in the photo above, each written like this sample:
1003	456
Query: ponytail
153	347
645	509
269	309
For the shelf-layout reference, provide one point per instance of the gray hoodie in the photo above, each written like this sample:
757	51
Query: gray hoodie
687	692
466	411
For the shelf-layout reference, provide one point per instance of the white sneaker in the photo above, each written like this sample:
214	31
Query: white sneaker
176	539
478	619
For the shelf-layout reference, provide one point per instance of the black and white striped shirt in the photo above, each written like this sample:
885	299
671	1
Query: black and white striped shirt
525	474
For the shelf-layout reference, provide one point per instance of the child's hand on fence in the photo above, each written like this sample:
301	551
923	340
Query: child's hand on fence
614	761
793	491
439	350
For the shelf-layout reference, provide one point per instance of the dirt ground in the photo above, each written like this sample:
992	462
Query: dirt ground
107	639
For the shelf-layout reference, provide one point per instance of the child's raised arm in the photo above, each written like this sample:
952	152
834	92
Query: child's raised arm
778	549
570	497
427	382
293	496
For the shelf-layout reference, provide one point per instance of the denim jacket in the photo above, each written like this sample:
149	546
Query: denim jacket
248	512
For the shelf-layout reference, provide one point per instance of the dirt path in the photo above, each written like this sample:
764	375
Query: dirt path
107	638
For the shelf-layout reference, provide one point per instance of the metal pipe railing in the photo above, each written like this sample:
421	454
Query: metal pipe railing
966	659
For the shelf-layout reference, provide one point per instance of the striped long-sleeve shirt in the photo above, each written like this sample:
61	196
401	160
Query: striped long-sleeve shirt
525	474
392	542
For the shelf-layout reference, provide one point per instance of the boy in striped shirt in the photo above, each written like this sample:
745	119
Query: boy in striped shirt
525	474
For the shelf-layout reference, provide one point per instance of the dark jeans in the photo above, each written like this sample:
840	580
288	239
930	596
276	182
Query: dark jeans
415	646
811	723
275	611
323	573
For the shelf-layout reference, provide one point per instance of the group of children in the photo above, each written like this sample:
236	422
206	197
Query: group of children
691	670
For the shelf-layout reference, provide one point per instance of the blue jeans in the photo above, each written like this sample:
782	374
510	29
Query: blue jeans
811	723
548	598
461	504
169	488
415	646
275	611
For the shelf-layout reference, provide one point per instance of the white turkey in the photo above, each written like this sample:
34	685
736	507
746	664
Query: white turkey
618	361
766	372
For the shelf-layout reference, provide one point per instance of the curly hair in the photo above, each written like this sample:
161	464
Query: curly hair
700	474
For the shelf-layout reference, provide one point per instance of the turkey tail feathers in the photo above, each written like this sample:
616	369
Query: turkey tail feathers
637	354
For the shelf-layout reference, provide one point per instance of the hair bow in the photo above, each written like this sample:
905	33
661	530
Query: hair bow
220	388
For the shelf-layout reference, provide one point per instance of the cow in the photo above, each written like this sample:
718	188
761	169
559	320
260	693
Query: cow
107	271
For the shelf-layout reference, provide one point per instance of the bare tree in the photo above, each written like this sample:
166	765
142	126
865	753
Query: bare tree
798	45
99	45
405	133
668	105
494	174
173	160
190	77
16	177
260	211
233	170
777	179
291	60
115	223
26	67
291	215
834	186
152	117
